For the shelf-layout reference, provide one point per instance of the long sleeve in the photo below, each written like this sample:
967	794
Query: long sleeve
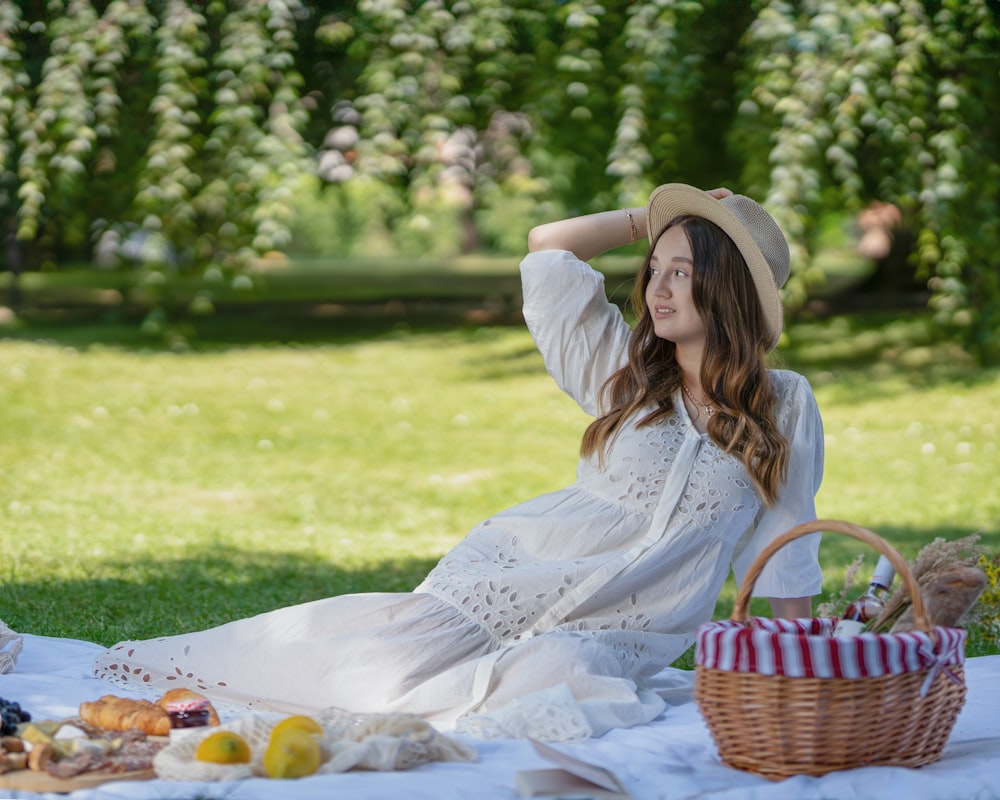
794	570
583	338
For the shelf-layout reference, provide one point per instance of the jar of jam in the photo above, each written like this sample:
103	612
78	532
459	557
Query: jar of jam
187	715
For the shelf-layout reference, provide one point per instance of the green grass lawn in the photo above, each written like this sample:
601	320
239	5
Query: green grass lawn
149	490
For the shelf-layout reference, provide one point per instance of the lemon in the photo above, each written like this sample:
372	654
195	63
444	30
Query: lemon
291	753
223	747
302	723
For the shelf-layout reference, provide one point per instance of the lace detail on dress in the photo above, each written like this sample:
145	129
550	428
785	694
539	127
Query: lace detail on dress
116	666
623	637
638	462
493	603
786	386
717	490
548	715
719	487
11	645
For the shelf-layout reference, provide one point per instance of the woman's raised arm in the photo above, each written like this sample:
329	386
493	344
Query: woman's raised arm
591	234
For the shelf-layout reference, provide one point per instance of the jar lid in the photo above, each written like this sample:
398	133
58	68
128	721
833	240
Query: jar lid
187	705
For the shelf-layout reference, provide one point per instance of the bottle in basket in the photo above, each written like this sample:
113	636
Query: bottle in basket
870	604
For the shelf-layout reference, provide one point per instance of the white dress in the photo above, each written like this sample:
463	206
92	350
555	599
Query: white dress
551	618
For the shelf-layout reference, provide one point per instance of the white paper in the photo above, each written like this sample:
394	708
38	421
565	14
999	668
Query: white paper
573	779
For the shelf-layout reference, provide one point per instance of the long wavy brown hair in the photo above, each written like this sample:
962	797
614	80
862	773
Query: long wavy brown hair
734	374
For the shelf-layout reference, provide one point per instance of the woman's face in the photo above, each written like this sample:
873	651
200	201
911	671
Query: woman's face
669	293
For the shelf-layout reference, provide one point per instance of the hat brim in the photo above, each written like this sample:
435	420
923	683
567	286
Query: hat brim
676	199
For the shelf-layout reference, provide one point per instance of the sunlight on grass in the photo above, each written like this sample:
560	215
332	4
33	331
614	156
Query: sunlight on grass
148	492
358	457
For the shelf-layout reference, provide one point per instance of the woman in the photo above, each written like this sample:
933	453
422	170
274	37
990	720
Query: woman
550	619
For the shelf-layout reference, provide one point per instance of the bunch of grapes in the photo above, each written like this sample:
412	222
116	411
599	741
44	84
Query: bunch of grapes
11	715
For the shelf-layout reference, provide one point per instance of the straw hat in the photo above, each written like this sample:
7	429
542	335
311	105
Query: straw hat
752	229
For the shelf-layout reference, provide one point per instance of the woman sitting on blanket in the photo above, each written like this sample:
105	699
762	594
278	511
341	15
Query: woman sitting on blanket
556	618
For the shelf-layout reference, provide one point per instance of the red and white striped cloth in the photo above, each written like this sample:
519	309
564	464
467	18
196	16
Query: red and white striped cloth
806	648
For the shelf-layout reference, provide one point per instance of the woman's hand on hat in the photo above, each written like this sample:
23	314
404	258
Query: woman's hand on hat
719	193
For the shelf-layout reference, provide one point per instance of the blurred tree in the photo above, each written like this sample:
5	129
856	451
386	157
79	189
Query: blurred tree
62	116
172	175
896	102
201	135
420	110
167	133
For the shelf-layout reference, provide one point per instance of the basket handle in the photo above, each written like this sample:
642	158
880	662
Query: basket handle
742	605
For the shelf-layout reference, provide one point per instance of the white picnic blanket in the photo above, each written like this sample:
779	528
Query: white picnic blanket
672	758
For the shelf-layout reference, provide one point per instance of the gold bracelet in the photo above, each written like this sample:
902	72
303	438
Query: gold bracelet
631	226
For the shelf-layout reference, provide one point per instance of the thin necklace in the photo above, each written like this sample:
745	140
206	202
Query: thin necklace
708	409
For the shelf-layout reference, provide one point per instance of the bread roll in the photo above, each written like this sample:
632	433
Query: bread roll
947	598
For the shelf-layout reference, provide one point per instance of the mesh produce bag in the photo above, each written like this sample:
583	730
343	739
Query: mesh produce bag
350	741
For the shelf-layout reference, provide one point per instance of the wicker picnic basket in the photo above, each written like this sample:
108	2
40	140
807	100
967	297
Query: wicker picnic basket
786	697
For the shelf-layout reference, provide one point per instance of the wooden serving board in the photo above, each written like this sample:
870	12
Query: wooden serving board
27	780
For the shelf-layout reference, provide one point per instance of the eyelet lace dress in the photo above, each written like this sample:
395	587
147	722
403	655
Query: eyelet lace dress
556	618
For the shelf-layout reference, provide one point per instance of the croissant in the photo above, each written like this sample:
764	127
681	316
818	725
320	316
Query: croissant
120	714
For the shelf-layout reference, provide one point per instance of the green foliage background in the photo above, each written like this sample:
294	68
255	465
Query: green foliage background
211	133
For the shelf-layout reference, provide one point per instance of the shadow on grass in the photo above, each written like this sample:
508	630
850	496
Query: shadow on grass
150	597
842	335
516	362
839	550
882	351
264	328
868	349
257	326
